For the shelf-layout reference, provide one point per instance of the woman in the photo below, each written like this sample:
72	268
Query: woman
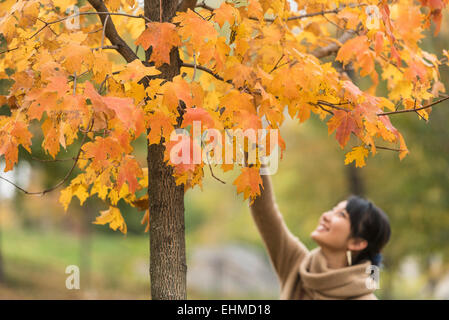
349	237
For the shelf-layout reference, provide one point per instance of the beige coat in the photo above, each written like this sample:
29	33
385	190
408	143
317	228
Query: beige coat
303	274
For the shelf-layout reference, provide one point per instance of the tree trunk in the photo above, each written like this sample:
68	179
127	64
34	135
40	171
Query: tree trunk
355	180
167	240
168	266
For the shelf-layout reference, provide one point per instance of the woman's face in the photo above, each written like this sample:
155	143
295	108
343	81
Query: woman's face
334	228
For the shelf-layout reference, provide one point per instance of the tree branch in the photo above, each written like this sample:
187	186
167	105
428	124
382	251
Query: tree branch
111	32
196	66
333	47
299	17
106	12
415	109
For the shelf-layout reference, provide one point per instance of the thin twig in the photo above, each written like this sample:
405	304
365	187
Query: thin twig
277	64
321	107
314	14
332	105
387	148
216	76
194	67
106	47
82	74
54	160
100	90
205	6
74	83
210	167
104	29
9	50
414	110
46	24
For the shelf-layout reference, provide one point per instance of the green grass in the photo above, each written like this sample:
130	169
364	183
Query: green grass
111	265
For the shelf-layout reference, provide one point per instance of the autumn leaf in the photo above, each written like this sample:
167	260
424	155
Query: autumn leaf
226	13
162	37
129	172
248	182
190	22
197	114
161	125
113	217
358	154
344	124
135	71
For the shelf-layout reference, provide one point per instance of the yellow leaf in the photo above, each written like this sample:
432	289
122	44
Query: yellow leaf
66	197
135	71
80	191
358	154
101	189
113	217
403	147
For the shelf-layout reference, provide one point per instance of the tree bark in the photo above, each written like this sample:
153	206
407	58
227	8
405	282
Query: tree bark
168	266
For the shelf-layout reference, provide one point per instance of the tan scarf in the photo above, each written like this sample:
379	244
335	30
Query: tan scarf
320	282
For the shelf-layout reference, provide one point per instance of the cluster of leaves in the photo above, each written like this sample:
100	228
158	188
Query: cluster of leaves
242	66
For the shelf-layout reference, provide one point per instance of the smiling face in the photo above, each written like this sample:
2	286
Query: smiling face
334	229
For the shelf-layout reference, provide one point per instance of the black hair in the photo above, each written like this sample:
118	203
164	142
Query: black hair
370	223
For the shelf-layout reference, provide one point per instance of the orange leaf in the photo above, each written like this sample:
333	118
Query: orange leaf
227	13
129	171
162	37
248	182
197	114
161	127
345	124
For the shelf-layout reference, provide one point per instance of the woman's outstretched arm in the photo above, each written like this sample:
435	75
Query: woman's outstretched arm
283	247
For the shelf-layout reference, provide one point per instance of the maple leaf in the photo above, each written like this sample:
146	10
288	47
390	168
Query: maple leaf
226	13
9	149
113	217
161	126
355	46
162	37
358	154
248	182
344	123
190	22
21	134
197	114
127	113
52	137
101	150
135	71
76	56
128	172
176	90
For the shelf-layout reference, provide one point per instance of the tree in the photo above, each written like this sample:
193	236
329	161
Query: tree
78	77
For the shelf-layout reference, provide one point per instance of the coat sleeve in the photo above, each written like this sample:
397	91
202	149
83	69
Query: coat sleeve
284	249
